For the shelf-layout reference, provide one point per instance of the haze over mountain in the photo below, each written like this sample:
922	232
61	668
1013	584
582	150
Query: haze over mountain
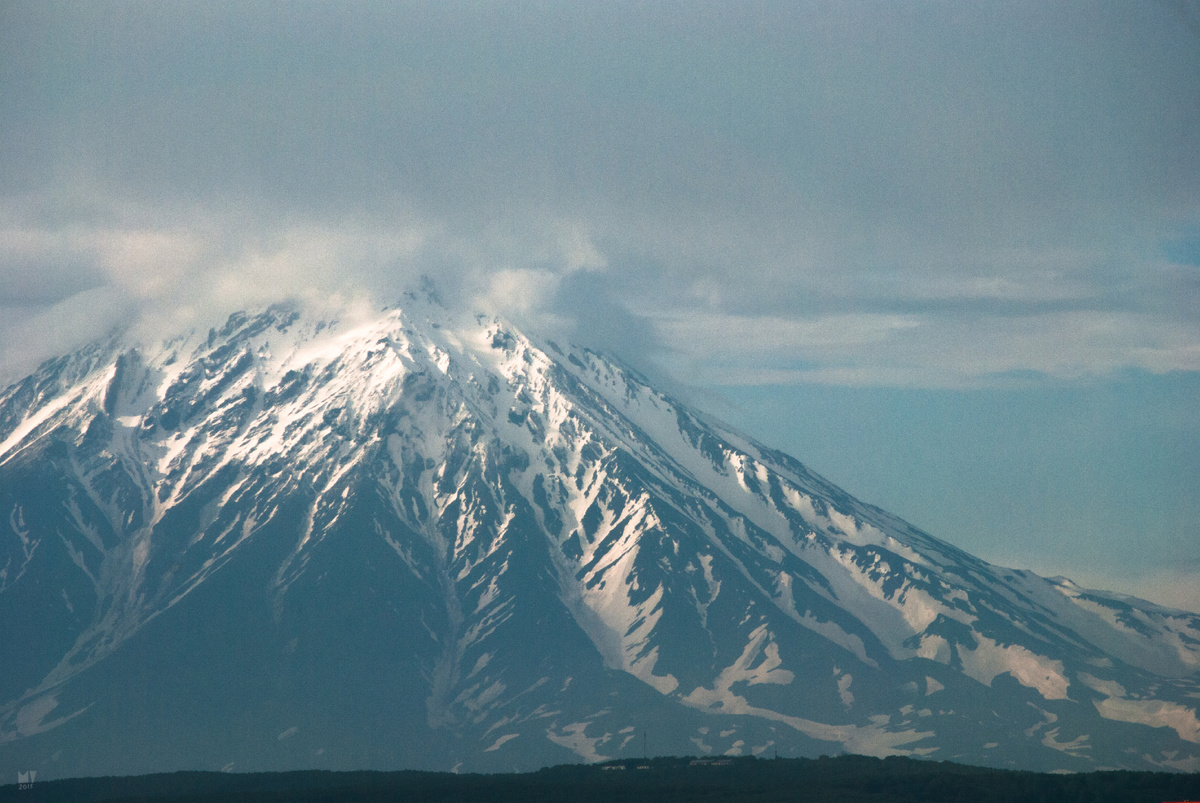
426	540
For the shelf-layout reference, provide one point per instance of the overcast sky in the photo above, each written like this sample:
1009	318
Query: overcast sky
948	254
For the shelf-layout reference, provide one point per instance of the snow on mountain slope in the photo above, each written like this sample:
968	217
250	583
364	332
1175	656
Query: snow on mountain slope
413	541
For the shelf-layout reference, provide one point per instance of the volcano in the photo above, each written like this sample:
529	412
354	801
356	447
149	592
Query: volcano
426	540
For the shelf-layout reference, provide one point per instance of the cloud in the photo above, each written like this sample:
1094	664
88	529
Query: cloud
191	265
927	350
860	193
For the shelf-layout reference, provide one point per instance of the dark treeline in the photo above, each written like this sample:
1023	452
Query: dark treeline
845	779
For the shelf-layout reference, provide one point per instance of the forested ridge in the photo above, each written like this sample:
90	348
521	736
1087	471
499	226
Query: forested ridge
845	779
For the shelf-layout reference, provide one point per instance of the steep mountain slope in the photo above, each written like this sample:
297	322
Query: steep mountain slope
414	542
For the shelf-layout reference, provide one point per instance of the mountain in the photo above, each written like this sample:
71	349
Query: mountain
418	542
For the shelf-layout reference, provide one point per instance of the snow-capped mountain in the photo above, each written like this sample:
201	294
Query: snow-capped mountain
411	542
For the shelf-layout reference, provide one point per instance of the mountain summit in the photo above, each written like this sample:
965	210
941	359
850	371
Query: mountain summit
410	542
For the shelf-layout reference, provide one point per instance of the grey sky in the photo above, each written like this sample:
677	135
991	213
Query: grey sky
951	197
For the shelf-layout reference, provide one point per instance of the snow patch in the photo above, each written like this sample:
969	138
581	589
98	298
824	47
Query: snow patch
496	745
843	684
577	741
27	426
1154	713
1034	671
